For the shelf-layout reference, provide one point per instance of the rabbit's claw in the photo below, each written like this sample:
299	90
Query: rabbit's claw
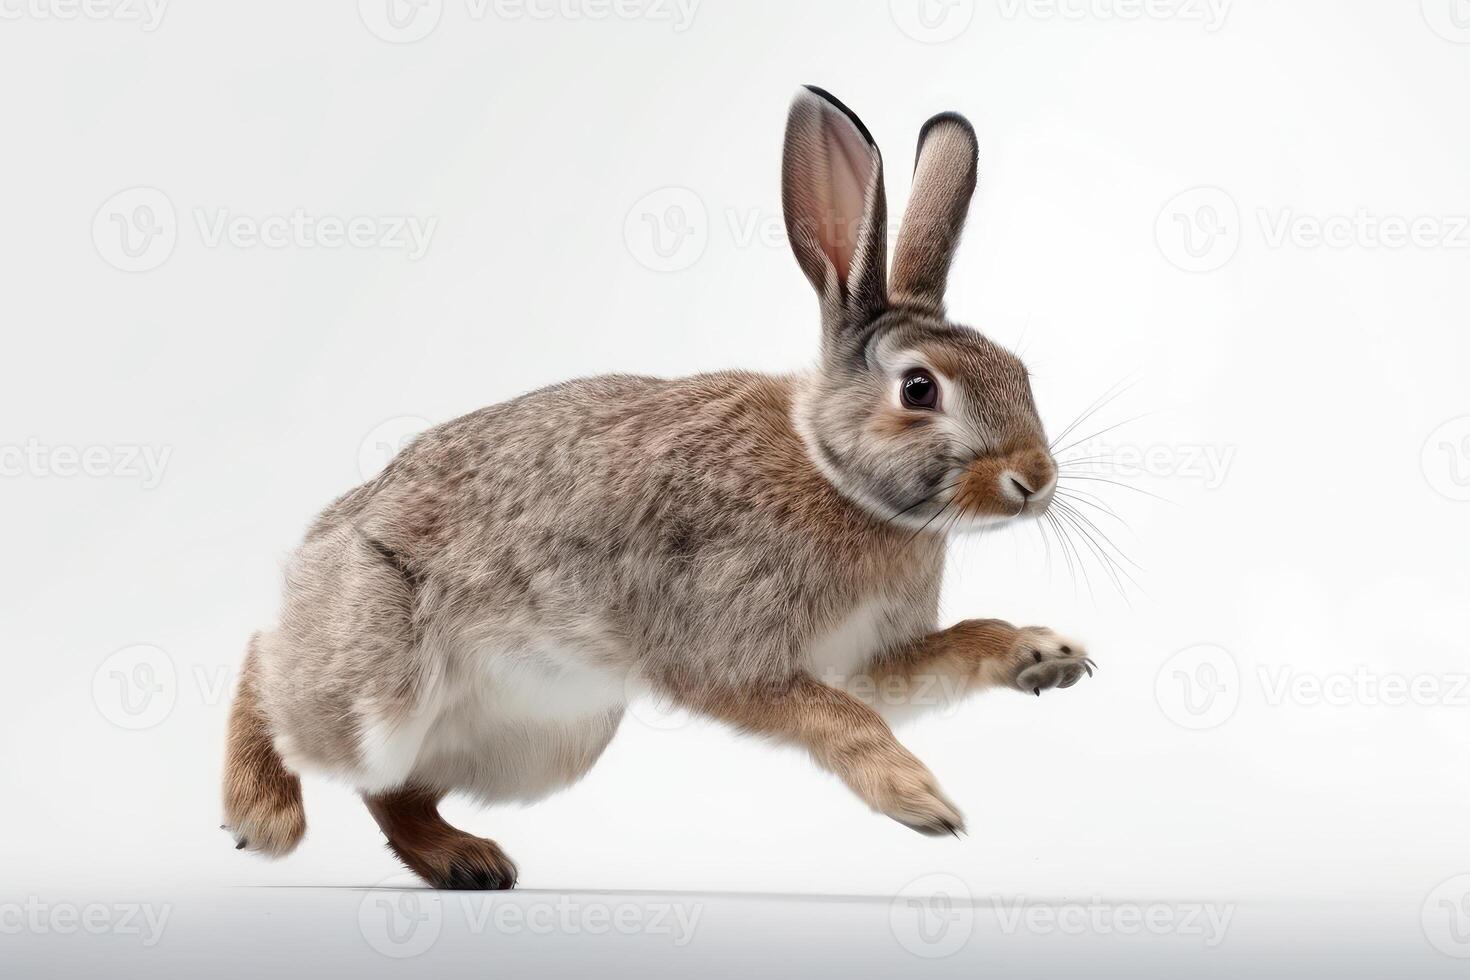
1045	660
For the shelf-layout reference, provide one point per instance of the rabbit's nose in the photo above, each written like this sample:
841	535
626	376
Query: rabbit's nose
1029	482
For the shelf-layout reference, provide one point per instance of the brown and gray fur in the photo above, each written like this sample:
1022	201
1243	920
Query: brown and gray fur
760	549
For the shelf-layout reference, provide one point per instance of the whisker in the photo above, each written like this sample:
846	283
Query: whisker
1077	442
1096	503
931	520
1094	529
1074	559
1063	463
927	499
1109	566
1096	406
1115	568
1116	483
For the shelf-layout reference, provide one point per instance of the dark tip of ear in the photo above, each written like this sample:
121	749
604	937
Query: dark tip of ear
939	120
837	104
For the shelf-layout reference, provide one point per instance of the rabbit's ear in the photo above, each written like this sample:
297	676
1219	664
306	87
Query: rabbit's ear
836	214
944	180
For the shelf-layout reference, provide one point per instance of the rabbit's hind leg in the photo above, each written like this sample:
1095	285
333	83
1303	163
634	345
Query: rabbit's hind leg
442	855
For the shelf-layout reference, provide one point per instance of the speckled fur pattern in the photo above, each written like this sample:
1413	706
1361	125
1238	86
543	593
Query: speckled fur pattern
475	618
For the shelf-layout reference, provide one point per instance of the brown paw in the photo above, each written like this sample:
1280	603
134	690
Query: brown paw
464	863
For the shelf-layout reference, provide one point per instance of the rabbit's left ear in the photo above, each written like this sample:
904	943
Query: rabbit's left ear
944	181
836	215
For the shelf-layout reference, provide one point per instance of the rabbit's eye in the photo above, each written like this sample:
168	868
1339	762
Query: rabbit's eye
919	390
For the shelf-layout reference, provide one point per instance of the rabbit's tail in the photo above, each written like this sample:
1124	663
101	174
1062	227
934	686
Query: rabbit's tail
263	808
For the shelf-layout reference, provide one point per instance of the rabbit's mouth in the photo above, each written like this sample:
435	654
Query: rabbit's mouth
1004	487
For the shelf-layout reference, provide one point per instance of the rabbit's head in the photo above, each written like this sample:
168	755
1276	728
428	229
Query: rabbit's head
908	414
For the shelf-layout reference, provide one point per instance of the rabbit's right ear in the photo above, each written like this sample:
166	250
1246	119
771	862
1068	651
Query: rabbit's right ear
836	215
944	181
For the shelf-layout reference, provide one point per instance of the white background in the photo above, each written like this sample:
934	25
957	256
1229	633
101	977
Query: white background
1305	404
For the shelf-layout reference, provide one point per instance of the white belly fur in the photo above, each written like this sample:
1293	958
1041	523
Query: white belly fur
847	649
532	722
526	725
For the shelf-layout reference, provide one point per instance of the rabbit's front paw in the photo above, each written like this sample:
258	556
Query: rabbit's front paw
1043	660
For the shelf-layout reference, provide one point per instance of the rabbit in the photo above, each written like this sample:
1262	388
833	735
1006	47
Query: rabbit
762	550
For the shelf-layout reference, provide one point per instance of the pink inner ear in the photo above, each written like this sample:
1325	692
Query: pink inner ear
852	161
